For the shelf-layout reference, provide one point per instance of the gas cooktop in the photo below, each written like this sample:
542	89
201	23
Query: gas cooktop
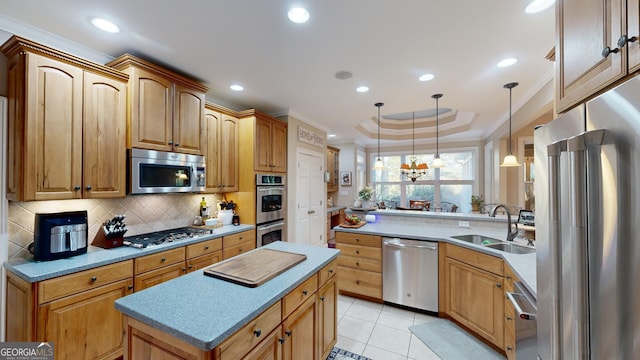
160	237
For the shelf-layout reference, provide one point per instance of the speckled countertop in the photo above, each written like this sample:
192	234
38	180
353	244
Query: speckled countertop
32	271
335	208
204	311
407	224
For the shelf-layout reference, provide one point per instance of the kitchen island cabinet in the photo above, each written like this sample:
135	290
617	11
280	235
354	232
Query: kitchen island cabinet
277	319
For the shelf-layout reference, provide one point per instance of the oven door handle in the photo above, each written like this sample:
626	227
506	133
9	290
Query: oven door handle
260	228
277	189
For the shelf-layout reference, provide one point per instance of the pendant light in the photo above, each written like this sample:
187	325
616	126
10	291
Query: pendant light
510	160
414	170
437	162
378	165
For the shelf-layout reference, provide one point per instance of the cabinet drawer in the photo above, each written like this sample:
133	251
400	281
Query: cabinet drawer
360	251
509	278
477	259
358	239
154	261
205	247
158	276
327	272
361	282
251	334
242	247
239	238
360	263
203	261
297	296
74	283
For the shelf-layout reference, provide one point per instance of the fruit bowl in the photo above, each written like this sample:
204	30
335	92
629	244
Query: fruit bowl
352	219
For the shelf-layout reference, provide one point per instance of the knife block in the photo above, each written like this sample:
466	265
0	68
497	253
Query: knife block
101	240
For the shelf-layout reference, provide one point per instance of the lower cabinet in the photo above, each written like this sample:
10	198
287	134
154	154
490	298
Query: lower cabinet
237	244
474	295
509	316
270	348
360	263
327	315
301	331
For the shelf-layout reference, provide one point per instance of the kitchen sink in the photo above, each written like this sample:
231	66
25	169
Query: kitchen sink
477	239
511	248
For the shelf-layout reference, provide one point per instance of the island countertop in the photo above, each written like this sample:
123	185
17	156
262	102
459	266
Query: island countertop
203	311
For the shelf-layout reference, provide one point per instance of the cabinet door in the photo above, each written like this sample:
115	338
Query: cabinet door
151	111
229	152
212	155
270	348
188	121
278	147
584	29
633	30
327	315
476	299
86	325
203	261
53	146
159	276
301	332
104	137
329	169
262	154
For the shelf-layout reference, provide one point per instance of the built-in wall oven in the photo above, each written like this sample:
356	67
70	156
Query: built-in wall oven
271	199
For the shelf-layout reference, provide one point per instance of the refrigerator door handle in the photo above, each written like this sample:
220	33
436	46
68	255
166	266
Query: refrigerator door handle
579	148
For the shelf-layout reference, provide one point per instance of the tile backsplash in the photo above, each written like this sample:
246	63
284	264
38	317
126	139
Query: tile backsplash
145	213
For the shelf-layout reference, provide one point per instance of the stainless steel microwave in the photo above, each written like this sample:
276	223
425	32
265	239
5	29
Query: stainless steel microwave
156	172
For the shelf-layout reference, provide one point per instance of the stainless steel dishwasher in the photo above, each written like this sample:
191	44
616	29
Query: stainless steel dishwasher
410	273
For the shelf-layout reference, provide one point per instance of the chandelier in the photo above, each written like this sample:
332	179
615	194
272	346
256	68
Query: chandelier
414	170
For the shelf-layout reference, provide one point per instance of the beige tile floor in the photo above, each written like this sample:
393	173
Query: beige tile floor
380	331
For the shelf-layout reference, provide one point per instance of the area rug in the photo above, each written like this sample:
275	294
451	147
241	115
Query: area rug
450	342
340	354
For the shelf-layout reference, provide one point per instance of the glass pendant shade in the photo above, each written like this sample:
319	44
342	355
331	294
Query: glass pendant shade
413	171
437	162
510	160
378	164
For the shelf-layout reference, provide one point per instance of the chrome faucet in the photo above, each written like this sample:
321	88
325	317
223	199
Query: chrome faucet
511	234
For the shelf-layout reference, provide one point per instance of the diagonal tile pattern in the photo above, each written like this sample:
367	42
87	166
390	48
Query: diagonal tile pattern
380	331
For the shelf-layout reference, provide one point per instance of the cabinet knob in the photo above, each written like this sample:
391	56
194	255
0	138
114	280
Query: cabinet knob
130	287
89	187
508	277
499	285
322	298
163	259
624	39
281	340
190	267
357	282
170	143
257	333
184	270
288	333
305	292
330	271
77	187
357	239
176	144
357	263
606	51
206	248
509	318
509	348
94	279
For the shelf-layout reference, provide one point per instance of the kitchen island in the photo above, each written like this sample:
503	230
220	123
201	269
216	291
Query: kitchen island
197	316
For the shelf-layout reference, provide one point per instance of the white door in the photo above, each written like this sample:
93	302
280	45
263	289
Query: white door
310	193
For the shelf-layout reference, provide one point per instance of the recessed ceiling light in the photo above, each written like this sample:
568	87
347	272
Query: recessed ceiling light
507	62
538	5
426	77
331	135
298	15
362	89
236	87
105	25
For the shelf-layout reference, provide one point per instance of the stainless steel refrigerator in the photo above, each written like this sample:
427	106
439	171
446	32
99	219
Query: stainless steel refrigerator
587	189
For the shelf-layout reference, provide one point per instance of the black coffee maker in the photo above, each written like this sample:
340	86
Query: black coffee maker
60	235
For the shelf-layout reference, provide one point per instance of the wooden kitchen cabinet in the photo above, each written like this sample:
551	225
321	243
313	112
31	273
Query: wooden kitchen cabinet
154	269
166	110
360	265
301	332
582	69
237	244
333	168
271	145
222	150
203	254
327	315
74	311
474	292
509	315
66	125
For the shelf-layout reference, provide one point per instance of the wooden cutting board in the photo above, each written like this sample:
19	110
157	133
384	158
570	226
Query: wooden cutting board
358	225
255	268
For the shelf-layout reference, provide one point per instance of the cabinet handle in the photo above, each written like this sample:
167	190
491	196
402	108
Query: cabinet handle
170	143
94	279
330	271
624	40
357	239
257	332
281	340
508	277
509	318
499	285
184	270
190	266
357	263
241	237
509	348
305	292
206	248
606	51
288	333
322	298
163	259
89	187
130	287
357	282
176	144
77	187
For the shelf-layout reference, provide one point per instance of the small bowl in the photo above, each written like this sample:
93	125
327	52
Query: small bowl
210	222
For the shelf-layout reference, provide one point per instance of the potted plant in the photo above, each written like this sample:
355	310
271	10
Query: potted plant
476	202
366	194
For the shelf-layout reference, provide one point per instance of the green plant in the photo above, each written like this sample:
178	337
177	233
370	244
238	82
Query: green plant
477	200
366	193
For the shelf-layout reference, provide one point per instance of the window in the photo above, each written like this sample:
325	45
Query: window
443	187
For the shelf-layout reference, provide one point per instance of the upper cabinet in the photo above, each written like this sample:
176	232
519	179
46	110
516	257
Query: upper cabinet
597	44
222	150
270	151
333	167
67	125
166	109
